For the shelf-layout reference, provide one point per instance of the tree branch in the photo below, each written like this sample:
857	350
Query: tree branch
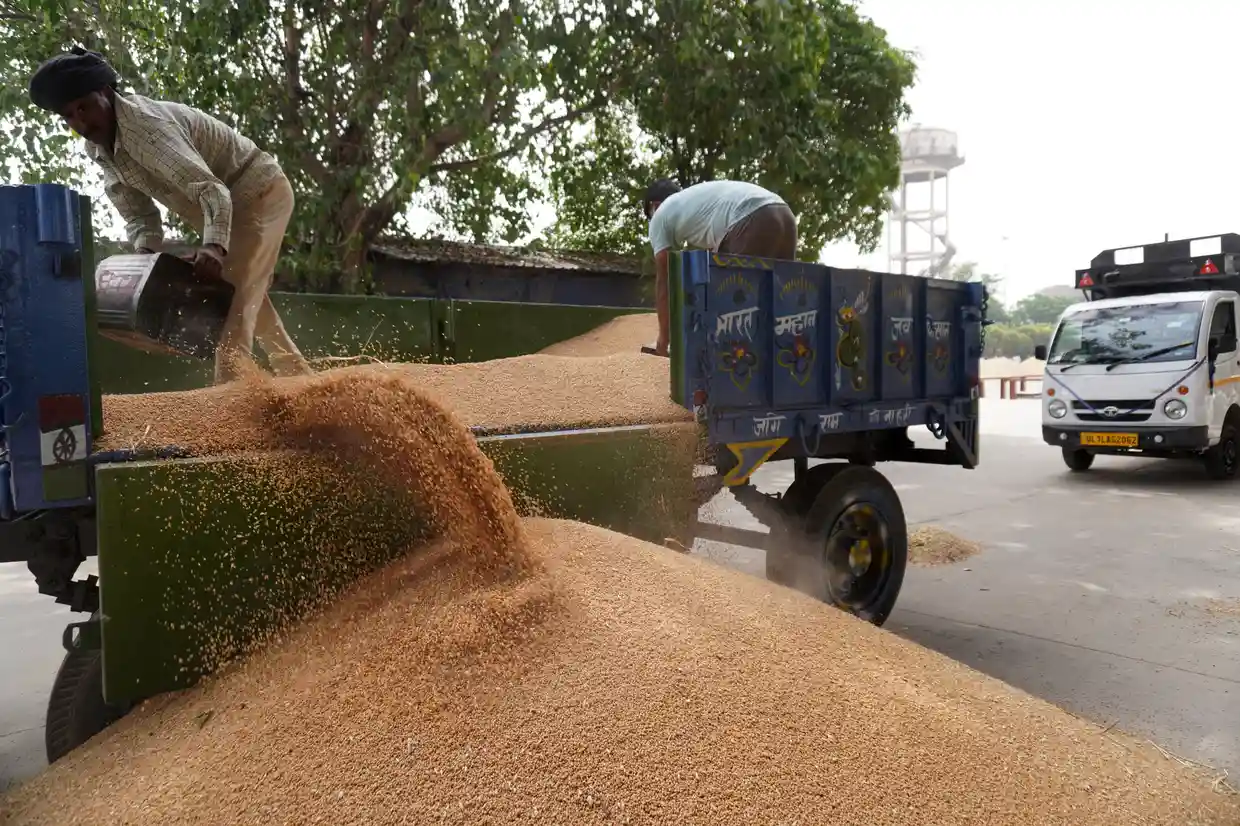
522	140
293	94
451	135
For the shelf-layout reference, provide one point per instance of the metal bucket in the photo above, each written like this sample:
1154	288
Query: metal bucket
156	303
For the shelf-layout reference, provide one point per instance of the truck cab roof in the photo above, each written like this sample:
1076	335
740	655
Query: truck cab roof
1152	298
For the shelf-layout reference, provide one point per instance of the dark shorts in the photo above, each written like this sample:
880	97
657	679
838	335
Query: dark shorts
767	232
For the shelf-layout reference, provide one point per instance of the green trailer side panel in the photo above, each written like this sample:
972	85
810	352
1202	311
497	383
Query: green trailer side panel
190	578
351	326
127	370
93	375
193	576
329	327
324	327
676	331
486	330
635	480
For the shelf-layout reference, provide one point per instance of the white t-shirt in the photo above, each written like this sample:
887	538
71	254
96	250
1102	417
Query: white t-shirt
700	216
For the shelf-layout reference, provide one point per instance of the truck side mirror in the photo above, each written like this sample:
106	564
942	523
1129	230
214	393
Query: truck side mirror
1039	352
1213	348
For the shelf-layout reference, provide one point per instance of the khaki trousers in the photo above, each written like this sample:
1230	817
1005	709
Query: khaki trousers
767	232
257	234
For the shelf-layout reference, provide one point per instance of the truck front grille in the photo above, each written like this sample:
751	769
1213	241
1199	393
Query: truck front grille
1126	410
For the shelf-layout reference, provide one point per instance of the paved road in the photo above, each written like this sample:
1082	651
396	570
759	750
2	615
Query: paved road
1091	592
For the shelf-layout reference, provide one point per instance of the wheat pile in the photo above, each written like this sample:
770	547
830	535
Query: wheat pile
623	334
627	684
525	393
536	672
932	545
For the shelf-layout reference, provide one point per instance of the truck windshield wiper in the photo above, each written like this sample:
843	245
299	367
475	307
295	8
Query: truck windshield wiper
1153	354
1080	363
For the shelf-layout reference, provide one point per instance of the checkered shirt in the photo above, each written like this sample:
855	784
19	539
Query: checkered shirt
196	166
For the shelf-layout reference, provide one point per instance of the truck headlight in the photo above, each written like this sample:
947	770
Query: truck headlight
1175	409
1058	409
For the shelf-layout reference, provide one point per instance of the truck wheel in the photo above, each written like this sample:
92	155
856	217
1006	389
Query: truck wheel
1078	461
782	562
860	543
1223	459
76	710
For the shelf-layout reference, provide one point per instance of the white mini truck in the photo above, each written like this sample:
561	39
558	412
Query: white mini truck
1148	364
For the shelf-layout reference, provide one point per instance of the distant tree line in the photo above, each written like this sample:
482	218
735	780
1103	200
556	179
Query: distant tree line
1016	331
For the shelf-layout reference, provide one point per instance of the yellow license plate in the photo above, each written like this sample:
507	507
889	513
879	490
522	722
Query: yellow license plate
1109	440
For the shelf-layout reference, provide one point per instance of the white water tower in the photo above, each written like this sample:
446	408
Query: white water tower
917	242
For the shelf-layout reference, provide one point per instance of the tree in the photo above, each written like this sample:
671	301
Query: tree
1041	309
803	97
967	271
365	104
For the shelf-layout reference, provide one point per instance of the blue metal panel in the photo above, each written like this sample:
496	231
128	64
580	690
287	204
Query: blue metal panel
739	331
42	331
697	361
901	301
944	345
791	353
853	370
797	297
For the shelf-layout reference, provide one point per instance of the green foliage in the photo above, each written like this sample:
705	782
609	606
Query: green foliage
604	165
1011	340
801	96
366	104
1041	309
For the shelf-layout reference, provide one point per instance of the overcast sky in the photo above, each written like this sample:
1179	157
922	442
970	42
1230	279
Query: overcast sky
1085	125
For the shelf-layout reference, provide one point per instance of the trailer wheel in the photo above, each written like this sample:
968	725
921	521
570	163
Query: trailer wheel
1223	459
801	494
861	541
782	563
76	710
1078	461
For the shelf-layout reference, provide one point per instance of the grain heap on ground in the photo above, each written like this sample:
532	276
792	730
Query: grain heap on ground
552	672
932	545
623	334
524	393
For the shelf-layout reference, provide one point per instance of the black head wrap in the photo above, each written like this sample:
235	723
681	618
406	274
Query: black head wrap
67	77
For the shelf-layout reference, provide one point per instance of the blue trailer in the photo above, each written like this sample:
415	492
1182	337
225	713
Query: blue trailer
783	360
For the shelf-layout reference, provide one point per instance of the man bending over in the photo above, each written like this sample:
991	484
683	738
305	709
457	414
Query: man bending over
720	216
233	193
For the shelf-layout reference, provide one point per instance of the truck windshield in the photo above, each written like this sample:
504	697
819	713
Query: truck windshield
1108	334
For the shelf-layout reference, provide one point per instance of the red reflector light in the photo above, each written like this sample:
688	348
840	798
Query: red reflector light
1208	268
699	398
1087	280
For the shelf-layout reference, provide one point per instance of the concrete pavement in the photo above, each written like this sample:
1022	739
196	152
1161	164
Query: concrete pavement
1095	591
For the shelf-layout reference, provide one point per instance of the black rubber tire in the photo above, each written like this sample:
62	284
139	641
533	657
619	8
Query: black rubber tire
1223	460
782	562
1078	461
76	710
853	485
801	494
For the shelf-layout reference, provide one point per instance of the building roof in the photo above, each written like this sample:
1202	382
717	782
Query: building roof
432	251
435	251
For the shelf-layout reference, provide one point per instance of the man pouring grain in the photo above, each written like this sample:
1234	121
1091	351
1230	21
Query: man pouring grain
215	179
720	216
